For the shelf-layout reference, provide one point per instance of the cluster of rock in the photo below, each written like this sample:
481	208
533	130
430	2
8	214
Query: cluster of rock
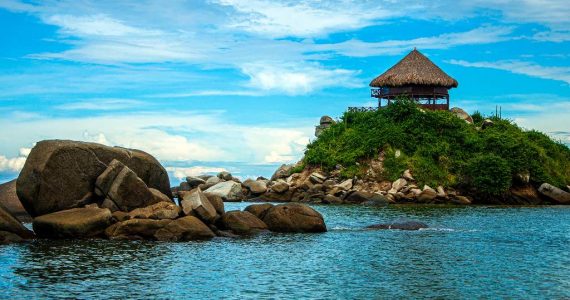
85	190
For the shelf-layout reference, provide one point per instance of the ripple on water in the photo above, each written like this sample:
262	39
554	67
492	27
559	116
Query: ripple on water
468	252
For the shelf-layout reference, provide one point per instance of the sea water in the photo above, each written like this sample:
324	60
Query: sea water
468	252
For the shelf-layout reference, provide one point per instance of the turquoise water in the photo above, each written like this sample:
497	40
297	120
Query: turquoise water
469	252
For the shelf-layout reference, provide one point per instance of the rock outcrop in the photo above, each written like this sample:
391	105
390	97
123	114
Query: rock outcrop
259	210
463	115
294	217
195	203
61	174
242	222
73	223
554	193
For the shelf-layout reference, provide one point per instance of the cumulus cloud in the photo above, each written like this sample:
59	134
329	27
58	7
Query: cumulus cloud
183	172
297	78
14	164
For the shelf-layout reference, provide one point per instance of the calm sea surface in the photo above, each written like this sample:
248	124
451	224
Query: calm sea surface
469	252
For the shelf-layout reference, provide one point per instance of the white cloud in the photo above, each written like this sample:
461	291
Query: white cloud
100	104
521	67
169	136
481	35
296	79
303	18
183	172
96	25
14	164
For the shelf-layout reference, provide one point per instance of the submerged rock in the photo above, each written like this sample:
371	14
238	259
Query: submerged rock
60	174
73	223
400	225
294	217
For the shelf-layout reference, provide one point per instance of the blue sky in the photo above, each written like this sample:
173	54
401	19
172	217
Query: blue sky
239	85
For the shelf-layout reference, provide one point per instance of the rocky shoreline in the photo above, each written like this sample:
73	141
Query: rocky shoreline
76	190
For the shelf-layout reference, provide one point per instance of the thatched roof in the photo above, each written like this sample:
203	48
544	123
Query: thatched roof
414	69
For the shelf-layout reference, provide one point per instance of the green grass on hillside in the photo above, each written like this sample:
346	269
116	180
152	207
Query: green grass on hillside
440	149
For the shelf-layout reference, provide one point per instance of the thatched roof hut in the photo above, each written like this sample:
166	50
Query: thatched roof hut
417	77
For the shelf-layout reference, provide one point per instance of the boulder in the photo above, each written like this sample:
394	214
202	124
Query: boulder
317	178
212	181
408	175
194	182
242	222
7	237
463	115
400	225
399	184
196	203
256	187
283	171
462	200
331	199
73	223
9	224
427	195
377	200
184	187
188	228
280	187
136	229
259	210
159	196
345	185
294	217
217	202
524	195
441	192
60	174
9	199
225	175
159	211
124	188
487	123
554	193
358	197
228	190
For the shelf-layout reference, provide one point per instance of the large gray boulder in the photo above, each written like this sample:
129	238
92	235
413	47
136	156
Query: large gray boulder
120	185
9	199
259	210
554	193
228	190
73	223
11	230
61	174
194	182
242	222
159	211
280	187
294	217
196	203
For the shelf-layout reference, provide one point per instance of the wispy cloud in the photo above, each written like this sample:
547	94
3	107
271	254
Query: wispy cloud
481	35
100	104
520	67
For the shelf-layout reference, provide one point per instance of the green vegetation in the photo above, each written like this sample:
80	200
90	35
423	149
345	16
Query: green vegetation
440	148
